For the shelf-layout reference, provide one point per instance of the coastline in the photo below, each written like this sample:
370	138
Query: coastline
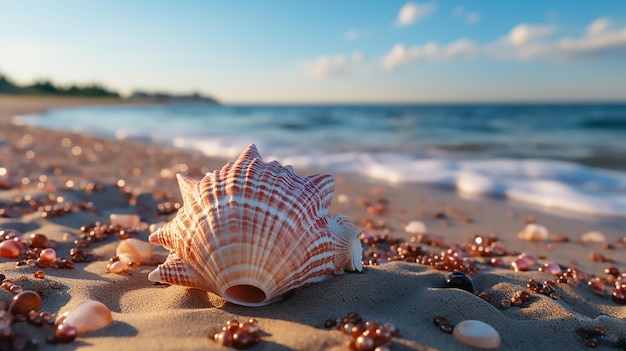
409	295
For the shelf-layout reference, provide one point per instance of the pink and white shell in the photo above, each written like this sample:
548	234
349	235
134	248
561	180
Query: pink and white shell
254	231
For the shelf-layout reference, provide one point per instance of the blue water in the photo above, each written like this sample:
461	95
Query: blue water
571	157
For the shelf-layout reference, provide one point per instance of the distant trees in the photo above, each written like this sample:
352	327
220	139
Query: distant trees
46	87
7	86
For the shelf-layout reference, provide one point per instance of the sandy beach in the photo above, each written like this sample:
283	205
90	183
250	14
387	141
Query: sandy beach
100	177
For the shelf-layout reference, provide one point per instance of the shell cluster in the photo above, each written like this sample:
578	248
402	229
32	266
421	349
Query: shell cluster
254	231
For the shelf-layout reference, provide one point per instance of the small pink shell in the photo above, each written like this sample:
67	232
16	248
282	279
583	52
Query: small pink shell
254	231
88	316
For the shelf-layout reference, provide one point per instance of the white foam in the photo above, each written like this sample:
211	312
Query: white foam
544	183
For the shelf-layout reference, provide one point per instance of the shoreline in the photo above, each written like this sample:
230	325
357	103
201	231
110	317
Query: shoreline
409	295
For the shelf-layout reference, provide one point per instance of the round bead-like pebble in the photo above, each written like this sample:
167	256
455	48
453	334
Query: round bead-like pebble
459	280
25	302
478	334
10	249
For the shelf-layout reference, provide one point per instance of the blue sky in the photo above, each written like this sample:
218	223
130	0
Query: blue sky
324	51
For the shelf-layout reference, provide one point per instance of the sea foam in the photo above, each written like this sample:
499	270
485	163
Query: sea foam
551	184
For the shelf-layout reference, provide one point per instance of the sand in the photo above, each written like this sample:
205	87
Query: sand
409	295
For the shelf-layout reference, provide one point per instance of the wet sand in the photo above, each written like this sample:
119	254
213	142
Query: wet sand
125	176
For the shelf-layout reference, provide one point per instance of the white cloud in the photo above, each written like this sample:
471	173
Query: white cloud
333	65
351	34
525	33
412	12
522	42
598	26
399	55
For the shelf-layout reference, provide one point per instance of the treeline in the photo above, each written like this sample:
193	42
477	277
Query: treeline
46	87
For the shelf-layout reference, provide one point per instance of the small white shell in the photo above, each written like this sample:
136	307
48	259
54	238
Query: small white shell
533	232
117	267
415	227
254	231
593	237
478	334
141	250
125	220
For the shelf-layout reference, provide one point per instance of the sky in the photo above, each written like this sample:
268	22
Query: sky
324	51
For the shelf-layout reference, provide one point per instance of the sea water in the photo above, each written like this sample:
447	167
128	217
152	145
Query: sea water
569	157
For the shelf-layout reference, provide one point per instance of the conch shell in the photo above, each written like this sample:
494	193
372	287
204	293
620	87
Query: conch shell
254	231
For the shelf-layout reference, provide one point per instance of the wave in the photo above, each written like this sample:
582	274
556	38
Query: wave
560	185
609	124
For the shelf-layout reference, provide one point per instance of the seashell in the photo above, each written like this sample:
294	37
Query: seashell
533	232
139	249
254	231
593	237
117	267
128	259
415	227
125	220
88	316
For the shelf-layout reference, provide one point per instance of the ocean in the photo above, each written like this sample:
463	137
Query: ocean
569	157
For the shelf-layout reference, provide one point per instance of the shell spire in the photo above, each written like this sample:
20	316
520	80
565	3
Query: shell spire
254	231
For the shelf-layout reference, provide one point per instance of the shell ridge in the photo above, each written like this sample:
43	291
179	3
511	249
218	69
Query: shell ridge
272	251
208	261
200	246
345	258
318	261
175	271
260	207
269	198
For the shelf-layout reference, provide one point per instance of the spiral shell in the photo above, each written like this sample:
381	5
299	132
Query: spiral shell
254	231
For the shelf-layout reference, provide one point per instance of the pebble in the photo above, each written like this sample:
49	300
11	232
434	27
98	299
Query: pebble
10	249
415	227
533	232
25	302
552	268
459	280
520	265
478	334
